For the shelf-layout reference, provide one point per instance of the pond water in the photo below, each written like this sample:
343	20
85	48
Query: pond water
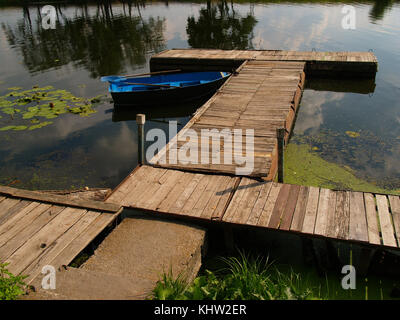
87	145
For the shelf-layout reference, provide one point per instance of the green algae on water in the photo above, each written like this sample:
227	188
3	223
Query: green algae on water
42	103
305	167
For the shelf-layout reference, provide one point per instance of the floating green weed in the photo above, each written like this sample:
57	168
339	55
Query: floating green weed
352	134
305	167
42	102
15	128
40	125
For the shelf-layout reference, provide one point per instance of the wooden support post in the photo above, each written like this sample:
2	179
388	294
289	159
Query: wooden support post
140	120
280	135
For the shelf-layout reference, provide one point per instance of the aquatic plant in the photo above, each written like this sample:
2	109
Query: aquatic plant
242	278
41	103
11	286
313	170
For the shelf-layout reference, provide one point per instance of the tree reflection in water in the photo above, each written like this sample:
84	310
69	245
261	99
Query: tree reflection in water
103	43
220	26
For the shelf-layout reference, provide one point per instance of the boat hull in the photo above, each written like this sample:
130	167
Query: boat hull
166	96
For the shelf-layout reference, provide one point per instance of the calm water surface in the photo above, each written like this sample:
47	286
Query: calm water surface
91	41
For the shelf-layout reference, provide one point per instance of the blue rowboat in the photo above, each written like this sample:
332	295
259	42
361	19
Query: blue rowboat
164	89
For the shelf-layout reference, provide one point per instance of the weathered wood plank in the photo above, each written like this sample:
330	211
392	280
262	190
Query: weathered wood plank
6	205
358	223
15	236
311	210
372	219
326	209
51	252
45	237
300	211
58	199
395	208
7	213
269	205
248	202
79	243
290	208
385	221
279	207
259	204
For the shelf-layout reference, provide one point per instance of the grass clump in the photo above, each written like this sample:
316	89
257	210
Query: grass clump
242	278
11	286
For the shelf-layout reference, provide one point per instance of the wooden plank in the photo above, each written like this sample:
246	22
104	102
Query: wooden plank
164	189
7	214
176	191
300	211
218	201
128	184
326	209
79	243
14	220
21	234
45	237
58	199
195	196
51	252
290	208
206	195
311	210
259	204
358	223
385	221
247	203
236	200
144	190
269	205
6	205
395	208
372	219
187	192
339	218
279	207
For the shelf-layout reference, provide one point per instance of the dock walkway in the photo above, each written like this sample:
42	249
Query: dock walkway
367	218
263	96
318	64
38	229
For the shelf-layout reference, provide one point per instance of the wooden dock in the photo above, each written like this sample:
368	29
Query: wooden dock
263	94
37	229
366	218
263	97
318	64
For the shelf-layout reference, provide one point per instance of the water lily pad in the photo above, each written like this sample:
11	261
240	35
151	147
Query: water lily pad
15	128
43	102
40	125
352	134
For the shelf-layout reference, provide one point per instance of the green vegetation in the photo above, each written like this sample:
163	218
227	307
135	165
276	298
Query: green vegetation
32	105
312	170
242	278
11	286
